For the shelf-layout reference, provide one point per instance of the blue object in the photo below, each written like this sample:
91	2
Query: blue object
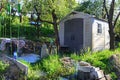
34	23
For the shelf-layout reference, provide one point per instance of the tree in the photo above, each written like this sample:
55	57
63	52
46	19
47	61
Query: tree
51	11
111	21
93	7
117	31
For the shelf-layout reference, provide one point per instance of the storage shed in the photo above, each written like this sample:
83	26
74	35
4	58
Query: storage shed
79	30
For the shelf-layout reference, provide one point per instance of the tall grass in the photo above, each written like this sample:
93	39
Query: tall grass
54	68
99	59
49	68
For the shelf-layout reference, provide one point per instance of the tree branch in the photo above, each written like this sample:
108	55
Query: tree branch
38	14
116	18
111	11
106	10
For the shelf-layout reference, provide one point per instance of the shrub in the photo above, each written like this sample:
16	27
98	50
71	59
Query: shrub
98	59
3	68
54	68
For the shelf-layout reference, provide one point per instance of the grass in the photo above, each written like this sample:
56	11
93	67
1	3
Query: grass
3	68
99	59
49	68
52	68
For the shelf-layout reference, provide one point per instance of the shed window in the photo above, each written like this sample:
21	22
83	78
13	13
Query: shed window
99	30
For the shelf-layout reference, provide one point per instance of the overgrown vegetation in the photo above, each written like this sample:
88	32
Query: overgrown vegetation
99	59
48	69
27	31
51	68
3	68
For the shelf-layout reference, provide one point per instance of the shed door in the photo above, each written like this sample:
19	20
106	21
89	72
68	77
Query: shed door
73	35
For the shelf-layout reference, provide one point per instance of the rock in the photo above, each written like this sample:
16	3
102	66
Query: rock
44	51
84	68
95	69
13	72
67	61
22	67
108	77
83	75
88	72
84	71
102	78
93	74
100	74
115	63
82	63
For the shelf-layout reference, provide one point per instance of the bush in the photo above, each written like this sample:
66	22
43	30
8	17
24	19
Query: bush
98	59
50	67
3	68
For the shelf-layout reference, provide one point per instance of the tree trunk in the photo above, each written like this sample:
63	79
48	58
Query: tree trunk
56	36
38	26
112	37
56	29
38	30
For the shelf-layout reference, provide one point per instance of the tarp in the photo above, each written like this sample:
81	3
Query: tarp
31	58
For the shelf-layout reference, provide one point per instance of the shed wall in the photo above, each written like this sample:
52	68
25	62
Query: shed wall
100	41
107	37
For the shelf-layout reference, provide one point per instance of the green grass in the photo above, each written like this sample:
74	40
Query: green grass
99	59
51	66
3	68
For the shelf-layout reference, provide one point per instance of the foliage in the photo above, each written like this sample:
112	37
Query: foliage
93	7
46	31
3	68
50	11
48	69
99	59
26	31
45	7
52	65
117	28
113	75
54	68
112	20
